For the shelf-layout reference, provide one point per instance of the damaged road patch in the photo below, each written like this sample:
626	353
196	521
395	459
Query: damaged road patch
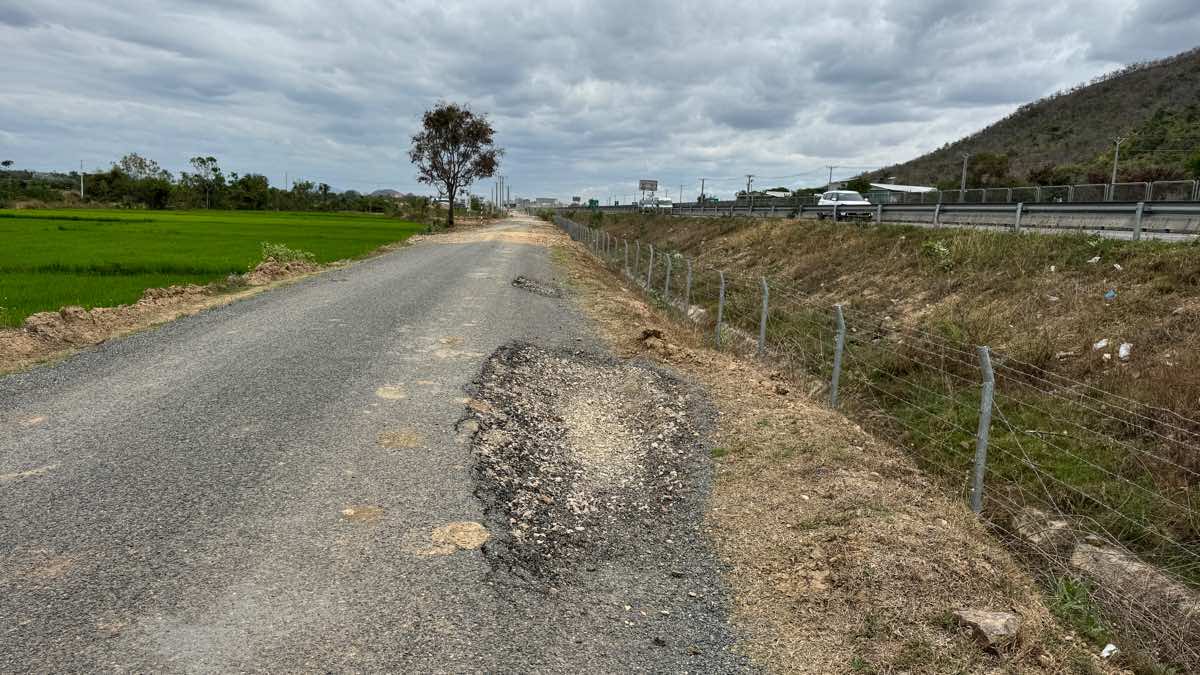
534	286
582	457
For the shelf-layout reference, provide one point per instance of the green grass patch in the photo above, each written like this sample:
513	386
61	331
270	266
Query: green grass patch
96	258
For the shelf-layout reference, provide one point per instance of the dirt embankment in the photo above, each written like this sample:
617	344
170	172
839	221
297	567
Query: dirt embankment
1042	299
843	556
47	335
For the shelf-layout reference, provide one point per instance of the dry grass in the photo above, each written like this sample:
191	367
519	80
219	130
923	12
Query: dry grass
843	557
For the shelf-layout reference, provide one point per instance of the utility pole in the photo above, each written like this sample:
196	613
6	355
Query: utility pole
829	185
749	182
681	193
962	185
1116	158
702	190
81	180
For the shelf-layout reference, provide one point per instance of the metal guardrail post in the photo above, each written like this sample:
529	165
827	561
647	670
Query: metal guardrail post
720	307
937	214
1037	193
1008	195
838	347
762	321
667	285
835	213
1070	193
650	269
985	426
1137	221
1017	218
1196	190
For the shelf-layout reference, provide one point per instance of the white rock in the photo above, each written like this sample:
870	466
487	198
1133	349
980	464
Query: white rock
1100	345
1124	350
992	630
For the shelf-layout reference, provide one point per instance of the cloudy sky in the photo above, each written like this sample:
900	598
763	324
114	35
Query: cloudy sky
586	97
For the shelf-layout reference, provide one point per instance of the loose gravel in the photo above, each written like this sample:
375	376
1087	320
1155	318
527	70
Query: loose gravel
539	287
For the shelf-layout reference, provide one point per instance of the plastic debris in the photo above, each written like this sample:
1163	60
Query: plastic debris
1124	350
1111	294
1109	650
1095	260
1100	345
1117	267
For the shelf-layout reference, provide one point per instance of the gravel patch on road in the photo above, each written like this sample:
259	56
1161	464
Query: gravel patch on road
593	473
534	286
579	455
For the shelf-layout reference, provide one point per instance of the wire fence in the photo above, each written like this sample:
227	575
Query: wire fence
1097	491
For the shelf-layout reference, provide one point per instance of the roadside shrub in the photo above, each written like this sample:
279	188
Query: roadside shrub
281	253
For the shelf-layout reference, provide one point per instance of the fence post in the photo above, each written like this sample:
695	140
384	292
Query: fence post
1196	190
687	295
626	256
650	269
937	214
762	321
637	258
1137	221
1037	193
1017	219
667	285
878	214
985	425
838	346
720	308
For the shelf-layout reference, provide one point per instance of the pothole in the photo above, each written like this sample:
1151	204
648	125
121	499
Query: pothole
539	287
580	456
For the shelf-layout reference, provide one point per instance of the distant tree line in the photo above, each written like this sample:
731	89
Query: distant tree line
138	182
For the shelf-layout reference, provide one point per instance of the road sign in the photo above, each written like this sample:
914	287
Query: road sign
648	185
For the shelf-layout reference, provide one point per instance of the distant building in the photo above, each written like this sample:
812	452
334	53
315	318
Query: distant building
891	193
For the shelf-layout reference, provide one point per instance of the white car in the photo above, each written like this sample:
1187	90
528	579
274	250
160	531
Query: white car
659	204
848	203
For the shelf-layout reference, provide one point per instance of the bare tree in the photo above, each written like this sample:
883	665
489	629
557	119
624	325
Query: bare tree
453	149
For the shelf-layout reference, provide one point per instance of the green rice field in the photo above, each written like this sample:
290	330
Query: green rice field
98	258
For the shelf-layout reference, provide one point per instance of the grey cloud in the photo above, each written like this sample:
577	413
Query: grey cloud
585	96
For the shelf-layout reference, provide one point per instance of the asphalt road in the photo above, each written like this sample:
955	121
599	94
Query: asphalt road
255	487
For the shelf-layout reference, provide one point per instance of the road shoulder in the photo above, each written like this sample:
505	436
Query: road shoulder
842	556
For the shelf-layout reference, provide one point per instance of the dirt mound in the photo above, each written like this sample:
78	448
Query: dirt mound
270	270
579	454
48	334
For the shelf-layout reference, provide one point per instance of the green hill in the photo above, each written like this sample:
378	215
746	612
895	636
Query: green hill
1068	137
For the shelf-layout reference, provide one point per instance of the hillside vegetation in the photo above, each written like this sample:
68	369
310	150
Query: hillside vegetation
1068	137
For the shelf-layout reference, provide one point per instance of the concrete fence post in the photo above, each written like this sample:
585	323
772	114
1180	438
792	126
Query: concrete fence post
720	308
937	214
839	346
835	213
762	321
1017	217
637	258
1137	221
667	283
650	269
878	214
687	294
626	256
985	425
